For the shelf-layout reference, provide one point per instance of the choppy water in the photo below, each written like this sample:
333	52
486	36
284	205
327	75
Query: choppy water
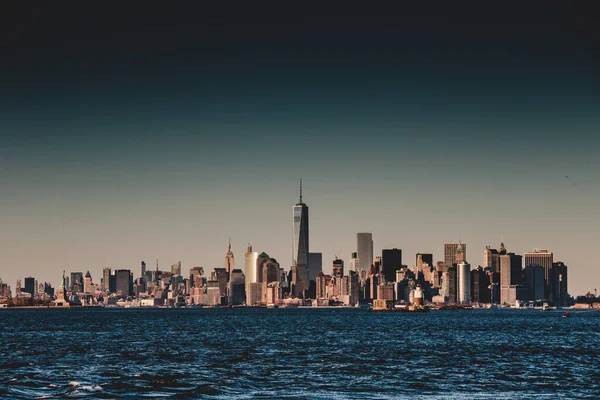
298	353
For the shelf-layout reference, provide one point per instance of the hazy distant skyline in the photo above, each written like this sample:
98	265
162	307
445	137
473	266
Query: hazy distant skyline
135	133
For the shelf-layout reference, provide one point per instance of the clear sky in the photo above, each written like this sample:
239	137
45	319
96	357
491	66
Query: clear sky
133	133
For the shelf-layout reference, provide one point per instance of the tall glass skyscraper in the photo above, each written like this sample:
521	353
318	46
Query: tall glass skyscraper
301	239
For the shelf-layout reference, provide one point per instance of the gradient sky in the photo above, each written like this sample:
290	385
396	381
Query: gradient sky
137	132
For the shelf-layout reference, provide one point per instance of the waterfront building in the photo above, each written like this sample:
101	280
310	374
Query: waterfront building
301	247
558	285
237	287
315	260
391	261
220	276
213	293
273	293
30	286
76	282
448	289
535	281
254	293
464	282
451	250
364	250
385	291
511	270
88	286
229	259
480	285
545	259
251	267
5	291
123	282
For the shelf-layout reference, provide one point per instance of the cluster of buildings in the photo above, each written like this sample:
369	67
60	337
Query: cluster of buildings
504	278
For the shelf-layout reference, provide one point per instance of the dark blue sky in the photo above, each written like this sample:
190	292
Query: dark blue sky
139	131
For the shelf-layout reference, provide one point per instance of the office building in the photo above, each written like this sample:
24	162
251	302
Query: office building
30	286
229	259
545	259
237	287
123	282
88	286
535	281
355	263
364	250
76	281
338	268
315	260
251	267
451	250
422	258
511	270
480	285
301	247
176	269
464	282
143	270
391	261
559	284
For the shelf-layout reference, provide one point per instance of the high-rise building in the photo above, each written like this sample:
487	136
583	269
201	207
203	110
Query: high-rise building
355	263
464	282
338	268
88	286
301	247
237	287
77	281
220	276
422	258
511	271
176	269
480	285
251	269
391	261
30	286
315	260
451	250
123	282
545	259
535	281
491	258
143	270
448	289
364	250
321	284
229	259
558	284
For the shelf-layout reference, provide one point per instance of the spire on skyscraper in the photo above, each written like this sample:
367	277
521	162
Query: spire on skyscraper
300	190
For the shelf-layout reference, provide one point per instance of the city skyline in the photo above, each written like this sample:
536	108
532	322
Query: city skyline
158	132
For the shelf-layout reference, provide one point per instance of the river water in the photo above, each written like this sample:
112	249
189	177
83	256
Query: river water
298	353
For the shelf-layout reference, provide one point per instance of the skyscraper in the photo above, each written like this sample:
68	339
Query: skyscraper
76	281
424	258
88	286
464	282
315	260
123	282
229	259
143	270
176	268
391	261
511	267
545	259
250	268
300	265
338	268
364	250
29	286
301	232
451	250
